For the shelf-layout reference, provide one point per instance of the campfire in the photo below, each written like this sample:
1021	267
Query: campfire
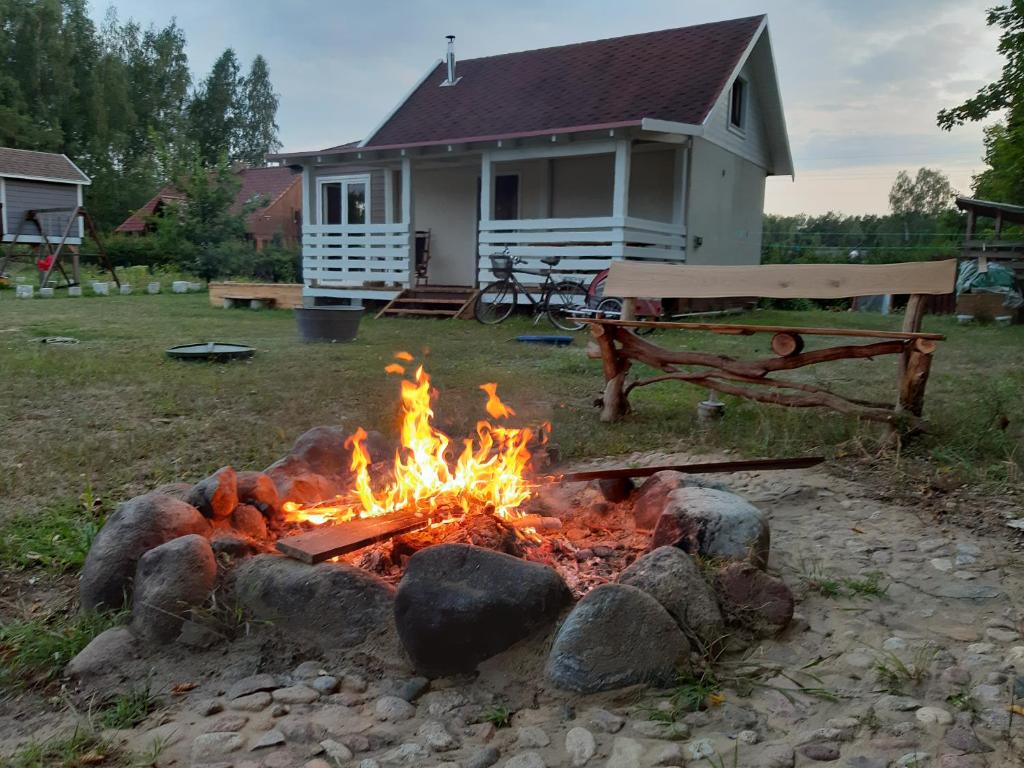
431	482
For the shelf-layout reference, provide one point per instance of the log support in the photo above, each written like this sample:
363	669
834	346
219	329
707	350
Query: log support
619	346
616	366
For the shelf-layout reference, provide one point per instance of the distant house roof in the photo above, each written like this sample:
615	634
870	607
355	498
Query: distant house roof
264	185
673	74
41	166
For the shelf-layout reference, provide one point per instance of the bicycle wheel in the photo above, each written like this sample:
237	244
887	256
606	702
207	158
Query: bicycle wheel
564	300
495	302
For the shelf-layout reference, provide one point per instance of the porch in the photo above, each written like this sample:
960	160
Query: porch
586	202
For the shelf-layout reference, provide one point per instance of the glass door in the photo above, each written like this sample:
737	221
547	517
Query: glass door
345	200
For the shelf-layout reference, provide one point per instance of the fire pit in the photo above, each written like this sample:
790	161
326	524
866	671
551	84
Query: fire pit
462	550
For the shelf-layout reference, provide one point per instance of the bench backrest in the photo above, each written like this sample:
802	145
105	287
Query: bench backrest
638	279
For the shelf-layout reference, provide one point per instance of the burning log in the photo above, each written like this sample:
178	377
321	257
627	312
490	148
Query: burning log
537	522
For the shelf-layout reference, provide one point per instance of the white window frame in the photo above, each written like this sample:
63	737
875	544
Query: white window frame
740	129
345	180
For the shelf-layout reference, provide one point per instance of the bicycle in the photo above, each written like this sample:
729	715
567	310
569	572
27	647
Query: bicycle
562	301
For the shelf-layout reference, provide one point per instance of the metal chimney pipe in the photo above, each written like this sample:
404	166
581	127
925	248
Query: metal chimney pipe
451	59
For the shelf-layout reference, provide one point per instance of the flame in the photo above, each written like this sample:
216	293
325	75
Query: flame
495	408
403	356
489	472
394	368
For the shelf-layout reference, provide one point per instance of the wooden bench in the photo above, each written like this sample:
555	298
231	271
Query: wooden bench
619	347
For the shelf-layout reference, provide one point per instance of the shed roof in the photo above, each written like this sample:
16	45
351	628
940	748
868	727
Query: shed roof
41	166
989	208
672	74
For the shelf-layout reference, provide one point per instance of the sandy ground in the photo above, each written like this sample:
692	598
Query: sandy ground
948	627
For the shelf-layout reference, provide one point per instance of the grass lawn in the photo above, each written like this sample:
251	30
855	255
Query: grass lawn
112	417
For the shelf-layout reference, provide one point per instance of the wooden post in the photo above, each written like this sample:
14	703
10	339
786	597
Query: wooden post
620	189
628	308
408	216
912	322
914	378
615	368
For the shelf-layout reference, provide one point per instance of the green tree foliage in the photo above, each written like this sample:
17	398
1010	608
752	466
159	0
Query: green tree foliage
215	113
923	225
257	129
1004	142
118	101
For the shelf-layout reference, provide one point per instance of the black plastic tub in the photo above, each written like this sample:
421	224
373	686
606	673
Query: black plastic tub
328	323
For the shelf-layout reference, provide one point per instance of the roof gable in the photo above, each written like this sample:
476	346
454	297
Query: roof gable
44	166
674	74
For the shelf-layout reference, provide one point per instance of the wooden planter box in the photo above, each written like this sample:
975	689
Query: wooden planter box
278	295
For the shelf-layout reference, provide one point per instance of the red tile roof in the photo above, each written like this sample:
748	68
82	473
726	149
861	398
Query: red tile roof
674	74
266	184
39	165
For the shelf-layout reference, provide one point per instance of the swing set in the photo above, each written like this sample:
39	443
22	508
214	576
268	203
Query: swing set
50	259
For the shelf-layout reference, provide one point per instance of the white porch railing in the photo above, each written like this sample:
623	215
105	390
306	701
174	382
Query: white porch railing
355	254
585	246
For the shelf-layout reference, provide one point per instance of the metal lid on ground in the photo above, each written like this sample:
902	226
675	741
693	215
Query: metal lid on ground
216	351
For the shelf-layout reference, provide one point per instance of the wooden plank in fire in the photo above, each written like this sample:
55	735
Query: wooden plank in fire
329	541
751	465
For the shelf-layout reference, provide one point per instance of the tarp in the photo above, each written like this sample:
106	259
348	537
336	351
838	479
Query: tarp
997	279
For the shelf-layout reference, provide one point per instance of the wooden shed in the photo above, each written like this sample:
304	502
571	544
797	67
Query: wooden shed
47	183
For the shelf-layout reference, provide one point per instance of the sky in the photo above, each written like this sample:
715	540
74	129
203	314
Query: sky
861	80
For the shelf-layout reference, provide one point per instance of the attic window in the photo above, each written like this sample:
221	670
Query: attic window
738	105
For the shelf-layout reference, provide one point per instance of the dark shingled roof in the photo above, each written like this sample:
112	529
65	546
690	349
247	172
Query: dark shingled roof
39	165
674	74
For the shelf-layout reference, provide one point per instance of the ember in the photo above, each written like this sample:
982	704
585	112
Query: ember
488	475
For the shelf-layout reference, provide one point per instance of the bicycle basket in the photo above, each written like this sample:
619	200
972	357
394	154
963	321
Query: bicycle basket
501	266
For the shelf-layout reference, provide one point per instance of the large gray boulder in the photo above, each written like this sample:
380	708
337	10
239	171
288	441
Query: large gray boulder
136	527
617	635
295	481
217	495
108	652
323	451
458	605
333	604
169	581
713	523
670	576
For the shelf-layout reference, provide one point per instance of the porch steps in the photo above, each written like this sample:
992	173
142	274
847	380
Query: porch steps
431	301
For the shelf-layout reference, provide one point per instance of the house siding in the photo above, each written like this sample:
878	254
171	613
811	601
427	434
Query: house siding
22	195
582	186
281	217
752	143
377	202
726	205
651	184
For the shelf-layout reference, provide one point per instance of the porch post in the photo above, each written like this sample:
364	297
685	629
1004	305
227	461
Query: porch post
679	187
486	185
407	217
304	228
389	196
620	193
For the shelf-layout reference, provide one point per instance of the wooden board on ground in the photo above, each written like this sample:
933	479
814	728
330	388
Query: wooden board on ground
284	295
329	541
778	281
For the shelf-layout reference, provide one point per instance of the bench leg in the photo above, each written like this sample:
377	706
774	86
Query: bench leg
615	402
228	303
914	370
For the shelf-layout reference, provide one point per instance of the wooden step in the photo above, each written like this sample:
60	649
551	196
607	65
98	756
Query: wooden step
420	300
434	312
426	301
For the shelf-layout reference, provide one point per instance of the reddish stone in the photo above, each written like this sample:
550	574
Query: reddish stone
752	598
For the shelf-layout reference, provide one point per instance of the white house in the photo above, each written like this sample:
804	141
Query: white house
46	183
649	146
